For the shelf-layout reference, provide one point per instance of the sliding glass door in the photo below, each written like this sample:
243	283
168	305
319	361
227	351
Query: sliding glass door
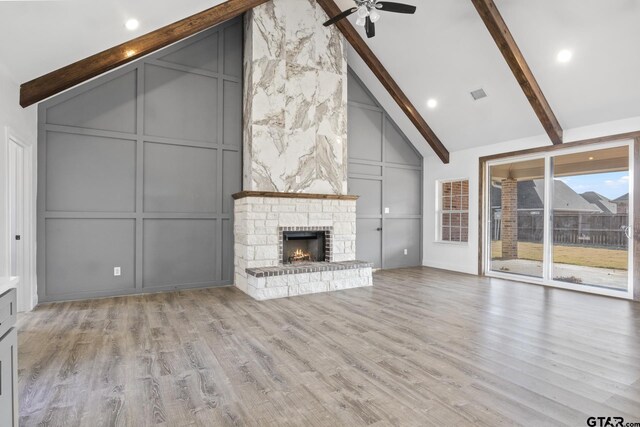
591	218
562	218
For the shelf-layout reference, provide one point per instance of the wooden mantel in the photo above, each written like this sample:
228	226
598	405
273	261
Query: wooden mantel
272	194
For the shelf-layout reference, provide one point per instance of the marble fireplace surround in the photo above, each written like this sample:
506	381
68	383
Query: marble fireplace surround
260	218
295	100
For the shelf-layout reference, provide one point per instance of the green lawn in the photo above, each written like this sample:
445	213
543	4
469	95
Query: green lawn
575	255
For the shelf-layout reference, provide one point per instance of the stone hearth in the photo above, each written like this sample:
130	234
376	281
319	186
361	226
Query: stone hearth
260	219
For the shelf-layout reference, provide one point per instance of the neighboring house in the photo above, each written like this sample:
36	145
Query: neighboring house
605	204
531	196
622	203
588	218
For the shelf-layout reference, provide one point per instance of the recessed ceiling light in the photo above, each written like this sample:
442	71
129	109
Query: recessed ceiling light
564	55
132	24
432	103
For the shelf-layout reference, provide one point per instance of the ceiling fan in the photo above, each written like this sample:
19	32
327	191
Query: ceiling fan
368	13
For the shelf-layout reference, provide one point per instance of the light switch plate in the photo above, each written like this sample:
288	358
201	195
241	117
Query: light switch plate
386	210
117	271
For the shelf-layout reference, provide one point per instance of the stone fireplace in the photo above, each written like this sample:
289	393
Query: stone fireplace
269	227
294	225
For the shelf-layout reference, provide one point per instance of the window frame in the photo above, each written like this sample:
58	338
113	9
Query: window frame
440	211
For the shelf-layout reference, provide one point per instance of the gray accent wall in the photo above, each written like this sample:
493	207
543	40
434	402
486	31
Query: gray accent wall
136	170
386	172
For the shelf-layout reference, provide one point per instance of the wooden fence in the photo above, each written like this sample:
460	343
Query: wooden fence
581	229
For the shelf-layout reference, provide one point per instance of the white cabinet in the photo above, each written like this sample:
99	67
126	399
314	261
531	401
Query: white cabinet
8	360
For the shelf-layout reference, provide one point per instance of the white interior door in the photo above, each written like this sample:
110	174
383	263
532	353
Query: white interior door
16	206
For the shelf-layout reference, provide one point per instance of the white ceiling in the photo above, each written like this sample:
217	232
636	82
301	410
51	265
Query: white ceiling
443	52
40	36
602	82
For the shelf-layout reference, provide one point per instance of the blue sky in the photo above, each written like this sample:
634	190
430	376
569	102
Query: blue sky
611	185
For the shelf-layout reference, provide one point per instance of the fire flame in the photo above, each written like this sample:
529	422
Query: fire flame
300	255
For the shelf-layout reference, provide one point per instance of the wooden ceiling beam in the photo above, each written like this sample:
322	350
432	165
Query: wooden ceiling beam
509	49
385	78
64	78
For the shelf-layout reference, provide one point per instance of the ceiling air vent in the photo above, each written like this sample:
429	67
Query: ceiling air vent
478	94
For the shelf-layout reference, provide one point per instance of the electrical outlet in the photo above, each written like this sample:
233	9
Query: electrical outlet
406	252
117	271
297	179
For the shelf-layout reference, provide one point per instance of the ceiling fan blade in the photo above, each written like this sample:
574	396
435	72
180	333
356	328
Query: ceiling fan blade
370	28
389	6
340	16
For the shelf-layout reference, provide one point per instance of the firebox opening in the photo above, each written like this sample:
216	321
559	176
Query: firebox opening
303	246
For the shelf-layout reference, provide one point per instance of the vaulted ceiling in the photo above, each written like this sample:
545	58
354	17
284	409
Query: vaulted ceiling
444	52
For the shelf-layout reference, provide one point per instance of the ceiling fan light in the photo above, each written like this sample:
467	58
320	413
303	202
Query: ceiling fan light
374	15
363	12
361	21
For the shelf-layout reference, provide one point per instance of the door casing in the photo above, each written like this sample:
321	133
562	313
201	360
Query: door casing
27	295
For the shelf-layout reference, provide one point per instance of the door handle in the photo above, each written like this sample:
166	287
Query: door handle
18	237
627	231
379	229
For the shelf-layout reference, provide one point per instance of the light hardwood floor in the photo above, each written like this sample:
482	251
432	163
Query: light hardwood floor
422	347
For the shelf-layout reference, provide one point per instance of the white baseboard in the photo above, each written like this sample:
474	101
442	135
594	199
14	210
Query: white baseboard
451	267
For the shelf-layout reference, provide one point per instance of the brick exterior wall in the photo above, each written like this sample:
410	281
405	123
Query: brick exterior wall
509	230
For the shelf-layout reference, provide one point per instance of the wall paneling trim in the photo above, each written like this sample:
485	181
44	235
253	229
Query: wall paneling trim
385	170
136	170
